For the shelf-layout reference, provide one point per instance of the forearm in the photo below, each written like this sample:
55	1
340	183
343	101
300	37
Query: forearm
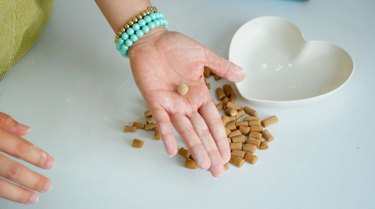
118	12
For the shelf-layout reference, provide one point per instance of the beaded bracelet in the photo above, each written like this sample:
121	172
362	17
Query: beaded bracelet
138	28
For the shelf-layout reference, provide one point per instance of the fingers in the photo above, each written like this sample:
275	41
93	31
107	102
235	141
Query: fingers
17	194
164	124
7	123
23	176
214	123
223	67
205	137
22	149
188	134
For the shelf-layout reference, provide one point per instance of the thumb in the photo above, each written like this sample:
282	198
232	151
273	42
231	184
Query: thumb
10	125
224	68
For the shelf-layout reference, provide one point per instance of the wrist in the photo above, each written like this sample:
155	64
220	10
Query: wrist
147	40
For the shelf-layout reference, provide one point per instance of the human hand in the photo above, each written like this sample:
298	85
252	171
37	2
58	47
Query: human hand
160	62
17	182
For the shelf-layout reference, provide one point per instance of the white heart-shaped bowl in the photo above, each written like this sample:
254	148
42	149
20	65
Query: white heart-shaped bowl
284	69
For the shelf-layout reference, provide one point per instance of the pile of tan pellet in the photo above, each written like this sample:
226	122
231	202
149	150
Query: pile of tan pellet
246	132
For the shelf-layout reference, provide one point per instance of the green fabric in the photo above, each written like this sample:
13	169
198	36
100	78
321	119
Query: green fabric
21	23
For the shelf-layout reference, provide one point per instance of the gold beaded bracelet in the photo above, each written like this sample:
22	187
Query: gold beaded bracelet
135	19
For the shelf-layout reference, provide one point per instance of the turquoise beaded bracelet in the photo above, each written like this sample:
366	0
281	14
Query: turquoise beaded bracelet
139	29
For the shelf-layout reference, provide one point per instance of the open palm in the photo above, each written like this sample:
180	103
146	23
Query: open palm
160	62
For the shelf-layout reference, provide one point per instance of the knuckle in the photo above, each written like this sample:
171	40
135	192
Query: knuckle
23	148
14	172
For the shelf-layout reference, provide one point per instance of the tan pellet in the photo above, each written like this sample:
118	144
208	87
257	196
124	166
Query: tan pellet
240	113
240	139
225	102
250	111
139	125
151	120
256	128
269	121
206	72
256	135
250	158
245	130
233	105
157	135
219	106
251	118
238	153
263	145
137	143
231	126
227	131
227	119
254	123
234	146
182	89
228	90
253	141
249	148
149	127
242	123
233	98
184	152
230	112
226	166
235	133
130	129
267	135
147	114
191	164
237	161
219	93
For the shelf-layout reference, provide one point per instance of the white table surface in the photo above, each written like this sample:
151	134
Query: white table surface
77	92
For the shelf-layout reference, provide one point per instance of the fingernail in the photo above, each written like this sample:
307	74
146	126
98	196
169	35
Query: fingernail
50	163
47	187
33	199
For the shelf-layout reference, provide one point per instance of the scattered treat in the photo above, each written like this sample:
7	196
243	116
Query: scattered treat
147	114
269	121
157	134
206	72
228	90
267	135
237	161
250	111
139	125
226	166
250	158
137	143
182	89
130	129
191	164
238	153
263	145
219	93
184	152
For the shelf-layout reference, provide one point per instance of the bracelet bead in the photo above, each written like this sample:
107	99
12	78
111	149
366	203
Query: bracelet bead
134	38
130	31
